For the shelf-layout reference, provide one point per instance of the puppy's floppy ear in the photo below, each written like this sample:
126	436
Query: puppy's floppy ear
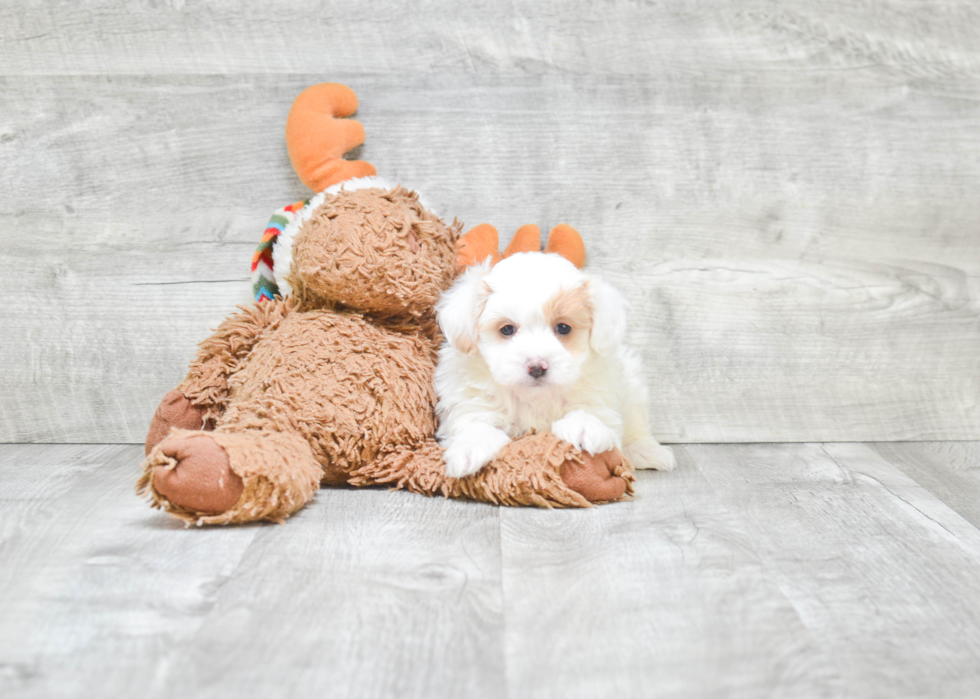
460	307
608	316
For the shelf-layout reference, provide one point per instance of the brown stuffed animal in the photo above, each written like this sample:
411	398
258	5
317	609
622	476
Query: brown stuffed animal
329	380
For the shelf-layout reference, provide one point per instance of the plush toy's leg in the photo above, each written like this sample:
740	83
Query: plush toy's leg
538	470
542	470
203	395
220	356
600	478
419	469
226	477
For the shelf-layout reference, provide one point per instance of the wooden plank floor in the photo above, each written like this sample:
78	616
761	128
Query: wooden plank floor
806	570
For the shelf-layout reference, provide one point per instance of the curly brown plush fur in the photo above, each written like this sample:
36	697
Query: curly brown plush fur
538	469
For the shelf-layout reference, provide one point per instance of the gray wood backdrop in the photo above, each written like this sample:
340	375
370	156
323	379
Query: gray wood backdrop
786	191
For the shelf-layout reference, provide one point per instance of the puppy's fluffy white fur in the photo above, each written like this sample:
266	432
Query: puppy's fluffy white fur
535	343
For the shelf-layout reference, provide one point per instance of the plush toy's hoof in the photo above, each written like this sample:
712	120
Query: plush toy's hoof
595	478
174	411
201	480
225	477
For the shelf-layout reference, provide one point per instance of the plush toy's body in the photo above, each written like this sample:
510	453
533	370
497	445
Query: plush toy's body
333	383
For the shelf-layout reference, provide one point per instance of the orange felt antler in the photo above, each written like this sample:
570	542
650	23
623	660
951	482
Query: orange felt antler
481	242
317	136
566	241
476	245
527	239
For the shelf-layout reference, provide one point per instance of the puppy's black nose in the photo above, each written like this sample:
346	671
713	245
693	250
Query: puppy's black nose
537	369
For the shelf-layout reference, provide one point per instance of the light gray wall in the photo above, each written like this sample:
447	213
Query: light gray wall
786	191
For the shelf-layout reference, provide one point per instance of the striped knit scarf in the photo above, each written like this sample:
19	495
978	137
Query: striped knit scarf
264	284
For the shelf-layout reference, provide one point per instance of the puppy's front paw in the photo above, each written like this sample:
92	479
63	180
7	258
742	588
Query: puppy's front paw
649	453
584	431
470	451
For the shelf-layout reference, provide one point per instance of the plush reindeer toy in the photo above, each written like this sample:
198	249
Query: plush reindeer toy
327	379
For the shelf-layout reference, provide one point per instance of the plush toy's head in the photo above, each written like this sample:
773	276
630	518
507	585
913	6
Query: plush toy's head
374	250
359	242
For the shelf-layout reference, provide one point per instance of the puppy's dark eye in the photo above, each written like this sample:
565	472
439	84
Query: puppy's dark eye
563	328
508	330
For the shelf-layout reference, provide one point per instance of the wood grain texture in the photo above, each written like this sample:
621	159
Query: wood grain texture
882	574
762	570
794	570
784	192
378	595
948	470
441	36
663	596
93	586
367	593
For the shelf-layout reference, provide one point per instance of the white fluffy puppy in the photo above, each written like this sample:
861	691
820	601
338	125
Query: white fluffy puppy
535	343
